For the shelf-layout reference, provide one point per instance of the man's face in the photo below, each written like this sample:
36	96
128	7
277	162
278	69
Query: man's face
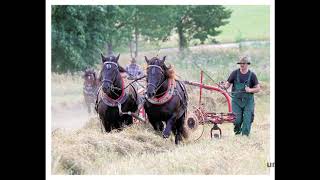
243	66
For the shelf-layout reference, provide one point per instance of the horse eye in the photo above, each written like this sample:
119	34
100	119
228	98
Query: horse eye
108	66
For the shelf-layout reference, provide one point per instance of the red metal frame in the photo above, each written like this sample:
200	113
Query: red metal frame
203	116
201	85
201	78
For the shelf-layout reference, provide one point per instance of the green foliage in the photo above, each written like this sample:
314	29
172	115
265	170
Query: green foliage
74	28
239	37
156	22
80	33
199	22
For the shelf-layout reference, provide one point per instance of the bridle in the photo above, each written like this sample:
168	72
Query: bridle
156	87
108	66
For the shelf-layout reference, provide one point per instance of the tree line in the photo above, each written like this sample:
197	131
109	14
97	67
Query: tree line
80	33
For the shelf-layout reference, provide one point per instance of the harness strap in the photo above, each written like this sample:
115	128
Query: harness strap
249	78
185	94
167	96
247	81
113	102
156	67
108	62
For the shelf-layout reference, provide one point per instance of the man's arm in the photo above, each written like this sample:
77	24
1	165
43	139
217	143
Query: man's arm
230	80
227	85
255	89
140	72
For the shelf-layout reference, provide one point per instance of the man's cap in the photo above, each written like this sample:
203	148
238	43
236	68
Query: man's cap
244	60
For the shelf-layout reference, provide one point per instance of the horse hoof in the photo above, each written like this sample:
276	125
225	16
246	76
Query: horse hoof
165	136
166	133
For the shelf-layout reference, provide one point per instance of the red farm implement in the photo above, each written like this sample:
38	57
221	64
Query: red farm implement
201	116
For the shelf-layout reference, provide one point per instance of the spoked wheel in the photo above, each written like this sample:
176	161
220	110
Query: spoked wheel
215	132
194	125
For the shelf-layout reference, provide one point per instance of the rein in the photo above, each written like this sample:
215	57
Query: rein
135	81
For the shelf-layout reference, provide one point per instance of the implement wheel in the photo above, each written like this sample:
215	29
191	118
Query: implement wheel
215	132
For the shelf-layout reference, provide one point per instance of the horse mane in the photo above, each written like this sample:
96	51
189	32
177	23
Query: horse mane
94	75
170	72
121	69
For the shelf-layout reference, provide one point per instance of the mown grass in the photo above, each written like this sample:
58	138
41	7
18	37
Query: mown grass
139	150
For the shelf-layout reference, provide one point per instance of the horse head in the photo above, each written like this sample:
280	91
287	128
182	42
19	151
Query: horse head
89	76
110	72
157	73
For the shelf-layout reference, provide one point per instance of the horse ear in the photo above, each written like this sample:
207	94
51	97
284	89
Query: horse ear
145	57
103	58
164	59
118	57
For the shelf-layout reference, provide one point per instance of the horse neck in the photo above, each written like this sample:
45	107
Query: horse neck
163	88
118	84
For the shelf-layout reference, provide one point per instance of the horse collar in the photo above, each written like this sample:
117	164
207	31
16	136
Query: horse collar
114	102
167	96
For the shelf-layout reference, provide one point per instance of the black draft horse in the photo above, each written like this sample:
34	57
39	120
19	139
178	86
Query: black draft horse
112	94
166	99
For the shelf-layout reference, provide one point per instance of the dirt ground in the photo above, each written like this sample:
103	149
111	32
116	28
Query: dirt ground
72	117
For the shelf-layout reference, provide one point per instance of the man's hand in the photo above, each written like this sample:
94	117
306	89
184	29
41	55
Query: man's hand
253	90
248	90
226	85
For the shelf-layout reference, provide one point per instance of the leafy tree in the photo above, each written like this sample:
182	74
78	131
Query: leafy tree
198	22
146	21
79	33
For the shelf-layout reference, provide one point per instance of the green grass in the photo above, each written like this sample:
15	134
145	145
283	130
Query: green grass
218	63
247	22
253	22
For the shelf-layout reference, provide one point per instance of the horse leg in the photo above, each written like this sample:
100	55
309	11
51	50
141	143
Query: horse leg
161	126
89	108
106	124
88	103
128	120
102	109
179	129
170	122
155	124
178	137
